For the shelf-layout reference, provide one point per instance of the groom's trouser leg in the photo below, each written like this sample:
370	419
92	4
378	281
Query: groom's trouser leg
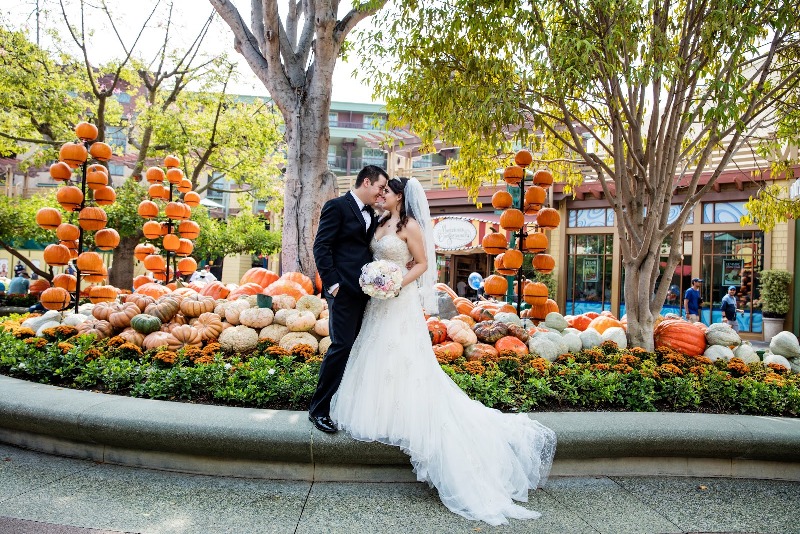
344	319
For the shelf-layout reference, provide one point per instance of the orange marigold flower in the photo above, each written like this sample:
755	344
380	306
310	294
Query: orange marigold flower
204	359
277	350
192	353
738	367
700	359
37	342
303	350
773	378
540	364
23	332
65	347
600	367
92	354
562	358
698	370
474	368
166	356
130	347
627	359
212	348
638	351
622	368
777	368
116	342
669	369
675	359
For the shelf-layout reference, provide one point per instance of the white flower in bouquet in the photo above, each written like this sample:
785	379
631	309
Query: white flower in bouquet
381	279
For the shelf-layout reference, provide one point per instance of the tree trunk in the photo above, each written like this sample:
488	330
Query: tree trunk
638	293
121	273
308	184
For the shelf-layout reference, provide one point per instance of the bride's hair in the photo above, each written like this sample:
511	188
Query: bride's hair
398	187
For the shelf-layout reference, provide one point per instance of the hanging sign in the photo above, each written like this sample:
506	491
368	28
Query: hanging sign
453	233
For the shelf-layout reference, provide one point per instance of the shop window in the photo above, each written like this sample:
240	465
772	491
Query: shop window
589	273
723	212
733	258
590	217
675	210
374	156
422	162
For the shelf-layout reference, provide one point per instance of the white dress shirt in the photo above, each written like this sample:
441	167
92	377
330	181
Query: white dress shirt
364	213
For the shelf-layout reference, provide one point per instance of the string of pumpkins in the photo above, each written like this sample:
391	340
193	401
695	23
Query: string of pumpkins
507	260
91	191
176	231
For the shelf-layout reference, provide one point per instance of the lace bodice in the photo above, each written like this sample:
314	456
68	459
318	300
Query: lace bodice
391	248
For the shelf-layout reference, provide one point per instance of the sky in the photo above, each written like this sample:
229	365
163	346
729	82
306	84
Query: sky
189	15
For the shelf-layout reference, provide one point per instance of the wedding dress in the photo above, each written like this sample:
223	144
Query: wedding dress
394	391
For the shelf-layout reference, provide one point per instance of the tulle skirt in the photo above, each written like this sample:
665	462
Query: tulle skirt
394	391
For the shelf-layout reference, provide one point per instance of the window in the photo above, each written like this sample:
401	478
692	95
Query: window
123	98
723	212
211	194
590	217
423	162
332	156
374	122
589	273
117	137
116	169
733	258
333	118
374	156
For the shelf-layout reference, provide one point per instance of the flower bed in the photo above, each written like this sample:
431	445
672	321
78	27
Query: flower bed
270	376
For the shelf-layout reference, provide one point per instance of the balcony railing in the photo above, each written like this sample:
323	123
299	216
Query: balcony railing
339	163
362	125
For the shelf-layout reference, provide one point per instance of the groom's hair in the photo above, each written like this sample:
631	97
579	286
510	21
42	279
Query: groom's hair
372	173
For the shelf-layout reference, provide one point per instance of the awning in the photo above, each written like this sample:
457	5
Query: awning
465	232
207	202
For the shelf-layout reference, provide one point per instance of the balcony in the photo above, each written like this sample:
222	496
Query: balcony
358	125
339	163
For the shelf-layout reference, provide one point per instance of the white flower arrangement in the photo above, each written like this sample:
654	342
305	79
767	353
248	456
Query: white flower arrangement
381	279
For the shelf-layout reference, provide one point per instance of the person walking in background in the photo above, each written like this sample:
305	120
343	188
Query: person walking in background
20	284
729	309
203	275
692	301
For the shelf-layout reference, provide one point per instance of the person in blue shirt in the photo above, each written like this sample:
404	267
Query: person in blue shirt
729	309
692	301
19	285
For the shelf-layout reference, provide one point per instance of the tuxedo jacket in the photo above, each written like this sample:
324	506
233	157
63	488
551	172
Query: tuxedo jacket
341	247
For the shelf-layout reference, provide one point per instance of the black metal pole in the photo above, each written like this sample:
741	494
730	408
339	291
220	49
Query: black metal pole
521	234
80	230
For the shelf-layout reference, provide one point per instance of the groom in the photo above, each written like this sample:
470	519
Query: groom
341	248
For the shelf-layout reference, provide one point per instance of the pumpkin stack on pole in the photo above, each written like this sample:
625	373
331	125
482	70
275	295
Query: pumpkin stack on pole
82	194
508	260
175	230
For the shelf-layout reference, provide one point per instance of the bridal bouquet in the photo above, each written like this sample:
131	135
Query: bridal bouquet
381	279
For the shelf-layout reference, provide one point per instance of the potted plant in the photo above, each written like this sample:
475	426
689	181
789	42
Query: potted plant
774	300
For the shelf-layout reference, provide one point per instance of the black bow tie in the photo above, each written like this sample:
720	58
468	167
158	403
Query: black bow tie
368	209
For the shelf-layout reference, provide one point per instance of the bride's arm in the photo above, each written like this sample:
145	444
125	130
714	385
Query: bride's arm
412	233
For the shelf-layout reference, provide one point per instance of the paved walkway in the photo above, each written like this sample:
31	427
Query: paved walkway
45	494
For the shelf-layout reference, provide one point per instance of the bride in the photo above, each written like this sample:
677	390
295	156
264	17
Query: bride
394	391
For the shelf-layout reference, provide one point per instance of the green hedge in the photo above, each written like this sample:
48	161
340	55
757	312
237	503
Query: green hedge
603	378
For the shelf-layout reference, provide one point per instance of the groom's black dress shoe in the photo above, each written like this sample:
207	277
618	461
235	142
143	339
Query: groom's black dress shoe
324	423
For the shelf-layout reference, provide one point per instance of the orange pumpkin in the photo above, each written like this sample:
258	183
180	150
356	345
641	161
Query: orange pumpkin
258	275
448	352
38	286
544	263
681	336
141	280
437	330
481	313
175	210
495	286
500	265
48	218
502	200
155	175
90	263
174	175
100	151
513	174
56	255
155	263
60	171
187	266
103	294
580	322
67	232
250	288
171	242
147	209
105	196
540	311
191	230
285	287
65	281
534	199
218	290
153	290
185	247
70	197
73	154
191	199
171	161
92	218
106	239
465	318
512	259
602	323
523	158
548	218
512	220
86	131
96	179
185	185
536	243
543	178
304	281
513	344
494	243
151	229
55	298
535	293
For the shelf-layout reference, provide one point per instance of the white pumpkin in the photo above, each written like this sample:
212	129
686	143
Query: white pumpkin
572	341
555	321
722	334
324	345
283	314
321	327
778	359
544	348
590	338
34	323
296	338
234	309
784	343
302	321
238	339
617	335
746	353
256	317
508	317
715	352
274	332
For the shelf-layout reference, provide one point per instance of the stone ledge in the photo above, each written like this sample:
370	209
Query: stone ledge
283	444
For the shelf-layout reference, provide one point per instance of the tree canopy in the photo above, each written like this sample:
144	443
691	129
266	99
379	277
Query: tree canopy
640	94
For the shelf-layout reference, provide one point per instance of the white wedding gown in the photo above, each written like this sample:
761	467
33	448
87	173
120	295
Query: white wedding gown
394	391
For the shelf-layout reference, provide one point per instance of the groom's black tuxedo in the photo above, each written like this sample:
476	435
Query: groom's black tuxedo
341	248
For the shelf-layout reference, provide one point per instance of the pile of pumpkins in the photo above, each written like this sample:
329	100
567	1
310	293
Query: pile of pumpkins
480	331
155	315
